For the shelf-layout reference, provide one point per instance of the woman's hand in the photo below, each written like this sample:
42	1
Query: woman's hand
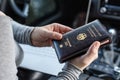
85	60
43	36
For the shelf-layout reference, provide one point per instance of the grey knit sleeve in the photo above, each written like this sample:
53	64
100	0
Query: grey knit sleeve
69	72
22	33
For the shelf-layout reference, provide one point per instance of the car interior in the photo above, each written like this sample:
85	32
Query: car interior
73	13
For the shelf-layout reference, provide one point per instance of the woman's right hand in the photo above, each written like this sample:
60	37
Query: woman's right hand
85	60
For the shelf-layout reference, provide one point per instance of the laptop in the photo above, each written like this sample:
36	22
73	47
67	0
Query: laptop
43	59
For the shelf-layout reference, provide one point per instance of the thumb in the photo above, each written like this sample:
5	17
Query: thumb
55	35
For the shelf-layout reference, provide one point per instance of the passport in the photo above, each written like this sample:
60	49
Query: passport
76	42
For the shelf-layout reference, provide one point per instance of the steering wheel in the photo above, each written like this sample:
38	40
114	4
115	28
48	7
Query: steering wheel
22	13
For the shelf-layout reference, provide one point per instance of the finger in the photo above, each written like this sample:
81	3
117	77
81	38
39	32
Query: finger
62	28
54	35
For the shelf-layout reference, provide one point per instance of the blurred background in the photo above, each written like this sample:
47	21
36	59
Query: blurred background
73	13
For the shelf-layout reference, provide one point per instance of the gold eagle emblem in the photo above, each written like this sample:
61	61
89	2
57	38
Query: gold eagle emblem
81	36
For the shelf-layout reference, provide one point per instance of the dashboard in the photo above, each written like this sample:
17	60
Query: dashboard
106	10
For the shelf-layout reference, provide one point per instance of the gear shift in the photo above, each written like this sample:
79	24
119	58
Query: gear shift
113	34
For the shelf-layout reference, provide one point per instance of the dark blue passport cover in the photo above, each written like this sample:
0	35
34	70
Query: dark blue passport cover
77	41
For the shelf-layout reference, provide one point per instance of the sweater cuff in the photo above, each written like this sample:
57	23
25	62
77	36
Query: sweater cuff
70	71
28	35
71	67
22	33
